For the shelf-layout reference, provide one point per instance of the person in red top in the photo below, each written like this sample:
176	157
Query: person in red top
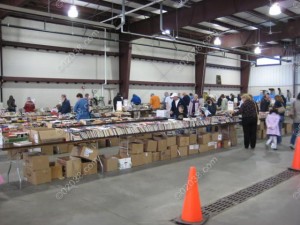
29	105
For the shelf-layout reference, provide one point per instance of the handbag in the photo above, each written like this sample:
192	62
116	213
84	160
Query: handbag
281	109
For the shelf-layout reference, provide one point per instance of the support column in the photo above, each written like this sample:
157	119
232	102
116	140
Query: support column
1	65
245	73
124	67
200	69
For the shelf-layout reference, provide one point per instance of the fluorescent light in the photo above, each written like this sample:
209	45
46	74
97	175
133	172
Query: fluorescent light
275	9
166	32
217	41
257	50
73	12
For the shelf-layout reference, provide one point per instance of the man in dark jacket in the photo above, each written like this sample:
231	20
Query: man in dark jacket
175	105
186	101
265	103
117	98
65	105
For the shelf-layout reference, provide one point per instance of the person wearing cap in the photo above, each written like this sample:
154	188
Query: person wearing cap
154	102
175	105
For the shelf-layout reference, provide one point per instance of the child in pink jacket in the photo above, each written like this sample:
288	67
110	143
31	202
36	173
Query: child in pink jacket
272	122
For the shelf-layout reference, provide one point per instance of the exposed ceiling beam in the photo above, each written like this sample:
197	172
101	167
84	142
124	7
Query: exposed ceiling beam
243	21
155	6
200	12
248	38
264	17
223	24
119	7
13	3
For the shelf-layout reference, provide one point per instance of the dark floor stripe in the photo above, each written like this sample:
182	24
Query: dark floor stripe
243	195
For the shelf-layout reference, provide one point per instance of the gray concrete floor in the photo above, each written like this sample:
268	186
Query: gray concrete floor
147	195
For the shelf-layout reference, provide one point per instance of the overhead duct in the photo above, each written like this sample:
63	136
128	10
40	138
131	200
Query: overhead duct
10	8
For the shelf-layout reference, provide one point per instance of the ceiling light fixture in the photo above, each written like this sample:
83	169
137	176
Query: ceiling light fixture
73	12
257	50
275	9
217	41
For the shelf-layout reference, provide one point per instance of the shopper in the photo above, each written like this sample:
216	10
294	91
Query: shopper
249	112
81	108
65	105
181	113
265	103
117	98
175	105
136	100
194	106
186	99
288	95
29	105
280	106
154	102
211	106
224	103
272	122
168	101
295	115
11	104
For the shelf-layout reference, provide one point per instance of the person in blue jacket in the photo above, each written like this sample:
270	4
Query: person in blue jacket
65	105
81	108
136	99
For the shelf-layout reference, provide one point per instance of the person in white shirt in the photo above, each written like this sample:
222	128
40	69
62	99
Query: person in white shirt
168	101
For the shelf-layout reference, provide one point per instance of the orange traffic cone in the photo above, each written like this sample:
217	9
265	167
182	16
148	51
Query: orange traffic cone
191	211
296	161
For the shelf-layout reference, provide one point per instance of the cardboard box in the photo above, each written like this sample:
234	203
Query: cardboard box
102	143
47	150
155	156
71	165
113	142
201	130
171	140
61	148
147	157
85	152
137	160
174	151
226	144
110	163
183	151
36	161
150	145
44	135
204	138
212	145
56	170
204	148
165	155
161	144
37	176
193	139
124	163
215	136
16	154
136	147
70	148
193	149
183	140
88	167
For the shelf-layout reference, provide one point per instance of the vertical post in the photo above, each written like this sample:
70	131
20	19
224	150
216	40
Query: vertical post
200	69
1	64
125	49
245	73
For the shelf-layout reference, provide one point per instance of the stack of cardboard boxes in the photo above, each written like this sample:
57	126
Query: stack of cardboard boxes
36	168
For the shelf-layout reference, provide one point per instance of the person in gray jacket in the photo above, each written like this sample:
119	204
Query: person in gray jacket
295	114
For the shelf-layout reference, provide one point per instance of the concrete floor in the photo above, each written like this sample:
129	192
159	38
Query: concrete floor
147	195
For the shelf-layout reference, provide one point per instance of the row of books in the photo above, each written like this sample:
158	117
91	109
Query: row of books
85	133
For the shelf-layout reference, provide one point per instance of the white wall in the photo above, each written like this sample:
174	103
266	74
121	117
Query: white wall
265	77
21	62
